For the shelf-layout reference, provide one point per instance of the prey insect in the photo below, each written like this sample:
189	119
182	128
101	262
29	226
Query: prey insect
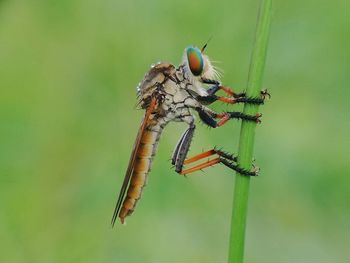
170	93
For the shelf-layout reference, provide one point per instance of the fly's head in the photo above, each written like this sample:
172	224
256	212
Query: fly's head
198	65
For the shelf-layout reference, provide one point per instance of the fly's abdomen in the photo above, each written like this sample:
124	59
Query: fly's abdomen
143	162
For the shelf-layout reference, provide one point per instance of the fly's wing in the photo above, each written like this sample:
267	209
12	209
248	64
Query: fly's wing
132	160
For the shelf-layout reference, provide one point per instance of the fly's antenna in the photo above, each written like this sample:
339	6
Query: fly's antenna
206	43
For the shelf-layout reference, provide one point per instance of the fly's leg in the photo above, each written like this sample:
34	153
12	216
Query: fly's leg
234	97
216	87
182	148
226	116
237	98
181	151
240	170
210	153
209	117
223	157
248	100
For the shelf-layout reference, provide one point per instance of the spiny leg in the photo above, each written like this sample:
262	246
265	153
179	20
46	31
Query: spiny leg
224	158
256	101
226	116
208	117
234	97
224	161
212	90
249	100
216	87
211	97
210	153
240	170
207	163
201	166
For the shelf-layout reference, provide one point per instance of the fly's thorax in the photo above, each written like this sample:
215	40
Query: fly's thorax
174	90
198	89
175	94
153	81
172	87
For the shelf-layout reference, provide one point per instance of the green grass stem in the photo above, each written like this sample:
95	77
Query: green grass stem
246	143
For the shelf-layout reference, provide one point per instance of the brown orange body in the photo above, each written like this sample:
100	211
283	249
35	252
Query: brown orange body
144	157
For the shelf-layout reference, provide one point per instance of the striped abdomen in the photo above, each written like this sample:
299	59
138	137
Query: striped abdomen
142	166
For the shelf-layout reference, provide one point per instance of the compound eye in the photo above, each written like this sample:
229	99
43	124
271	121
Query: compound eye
195	60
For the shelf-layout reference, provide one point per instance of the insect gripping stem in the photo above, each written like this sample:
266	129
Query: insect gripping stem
246	143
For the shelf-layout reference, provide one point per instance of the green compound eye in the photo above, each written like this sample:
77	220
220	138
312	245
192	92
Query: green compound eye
195	60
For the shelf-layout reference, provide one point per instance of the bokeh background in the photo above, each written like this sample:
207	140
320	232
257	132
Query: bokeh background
68	72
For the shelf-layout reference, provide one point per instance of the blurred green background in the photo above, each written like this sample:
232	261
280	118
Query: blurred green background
68	73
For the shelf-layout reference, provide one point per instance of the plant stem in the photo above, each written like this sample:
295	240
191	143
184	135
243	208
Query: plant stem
246	142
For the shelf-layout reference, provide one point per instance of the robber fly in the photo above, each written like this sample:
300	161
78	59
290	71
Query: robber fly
170	93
